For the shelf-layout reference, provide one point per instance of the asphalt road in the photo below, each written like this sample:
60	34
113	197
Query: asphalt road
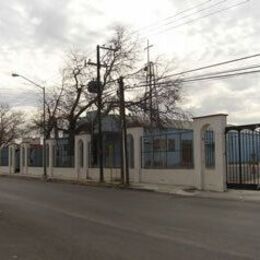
62	221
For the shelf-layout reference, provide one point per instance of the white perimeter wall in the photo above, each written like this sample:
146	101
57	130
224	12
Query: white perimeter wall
4	169
34	171
64	173
109	174
185	177
199	177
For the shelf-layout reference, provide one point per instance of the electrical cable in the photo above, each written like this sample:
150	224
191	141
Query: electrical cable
199	18
211	66
189	15
170	17
223	76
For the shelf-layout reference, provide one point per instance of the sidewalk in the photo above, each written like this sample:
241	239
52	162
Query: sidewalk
239	195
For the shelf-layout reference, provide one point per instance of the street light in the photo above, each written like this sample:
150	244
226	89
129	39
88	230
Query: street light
44	120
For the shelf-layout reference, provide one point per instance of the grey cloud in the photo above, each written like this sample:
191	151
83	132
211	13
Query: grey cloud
239	99
228	35
46	26
21	99
51	29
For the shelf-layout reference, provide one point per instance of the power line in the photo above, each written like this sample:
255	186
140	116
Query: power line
189	15
181	18
201	17
227	71
210	66
213	65
170	17
213	75
193	20
221	76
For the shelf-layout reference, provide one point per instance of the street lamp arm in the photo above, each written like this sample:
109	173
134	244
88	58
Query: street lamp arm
27	79
44	120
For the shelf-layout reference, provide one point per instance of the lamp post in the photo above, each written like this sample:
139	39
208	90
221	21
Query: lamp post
44	120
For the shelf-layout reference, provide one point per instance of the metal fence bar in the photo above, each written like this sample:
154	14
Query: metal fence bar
64	153
35	156
4	156
242	157
239	157
168	150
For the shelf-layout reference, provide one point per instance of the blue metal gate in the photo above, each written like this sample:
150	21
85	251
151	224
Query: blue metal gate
243	156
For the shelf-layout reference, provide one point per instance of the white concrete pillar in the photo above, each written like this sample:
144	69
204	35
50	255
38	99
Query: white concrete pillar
215	178
11	158
136	172
197	150
82	168
24	150
50	143
21	158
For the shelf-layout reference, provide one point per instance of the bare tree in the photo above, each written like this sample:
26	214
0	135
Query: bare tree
156	105
124	61
76	100
72	99
53	115
11	125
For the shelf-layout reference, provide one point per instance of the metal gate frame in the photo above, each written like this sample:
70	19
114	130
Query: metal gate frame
243	156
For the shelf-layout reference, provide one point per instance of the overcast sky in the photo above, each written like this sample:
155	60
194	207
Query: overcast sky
36	34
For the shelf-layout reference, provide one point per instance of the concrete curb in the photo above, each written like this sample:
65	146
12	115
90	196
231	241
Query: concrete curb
68	181
235	195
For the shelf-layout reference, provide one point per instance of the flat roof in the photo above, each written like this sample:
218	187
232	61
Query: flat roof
211	115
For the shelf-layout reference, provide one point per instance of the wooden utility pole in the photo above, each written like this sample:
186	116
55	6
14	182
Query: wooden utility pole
97	87
149	69
123	145
100	135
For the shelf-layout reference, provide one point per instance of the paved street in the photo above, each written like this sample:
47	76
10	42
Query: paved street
61	221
